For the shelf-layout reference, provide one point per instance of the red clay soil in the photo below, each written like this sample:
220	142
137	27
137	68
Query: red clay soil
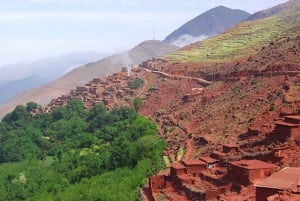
238	107
230	109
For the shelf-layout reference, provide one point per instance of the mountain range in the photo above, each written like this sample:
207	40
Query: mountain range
208	24
22	76
244	39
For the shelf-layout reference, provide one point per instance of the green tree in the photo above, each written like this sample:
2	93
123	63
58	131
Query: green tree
19	115
137	102
136	83
31	106
150	147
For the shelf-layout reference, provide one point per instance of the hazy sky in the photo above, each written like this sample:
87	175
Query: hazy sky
32	29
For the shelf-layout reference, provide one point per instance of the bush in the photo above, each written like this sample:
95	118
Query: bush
137	103
254	82
235	89
136	83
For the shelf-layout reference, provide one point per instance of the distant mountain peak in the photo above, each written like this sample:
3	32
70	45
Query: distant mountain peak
210	23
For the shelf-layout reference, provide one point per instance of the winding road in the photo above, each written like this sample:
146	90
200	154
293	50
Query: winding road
202	81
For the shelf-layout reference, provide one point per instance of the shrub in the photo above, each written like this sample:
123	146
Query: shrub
136	83
235	89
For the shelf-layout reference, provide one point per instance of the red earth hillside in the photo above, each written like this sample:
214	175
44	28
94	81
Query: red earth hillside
240	116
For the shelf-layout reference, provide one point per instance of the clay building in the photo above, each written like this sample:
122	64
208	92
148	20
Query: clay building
209	162
190	97
177	169
245	172
288	180
156	183
231	148
288	128
218	155
194	167
149	64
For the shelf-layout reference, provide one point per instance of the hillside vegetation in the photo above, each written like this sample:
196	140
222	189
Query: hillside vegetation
75	154
242	40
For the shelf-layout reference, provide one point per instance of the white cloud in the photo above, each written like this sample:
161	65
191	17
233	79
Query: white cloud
188	39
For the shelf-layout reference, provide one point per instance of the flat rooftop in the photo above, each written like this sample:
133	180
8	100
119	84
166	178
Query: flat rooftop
193	162
281	123
218	153
178	166
253	164
287	178
296	117
208	159
231	145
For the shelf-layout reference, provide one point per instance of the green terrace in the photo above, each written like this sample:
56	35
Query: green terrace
242	40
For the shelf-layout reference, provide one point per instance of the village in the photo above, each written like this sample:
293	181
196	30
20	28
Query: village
231	167
253	169
98	91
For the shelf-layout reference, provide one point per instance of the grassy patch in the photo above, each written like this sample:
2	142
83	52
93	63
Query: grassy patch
180	154
167	161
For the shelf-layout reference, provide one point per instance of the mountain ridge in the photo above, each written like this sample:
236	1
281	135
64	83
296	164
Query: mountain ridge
274	10
31	74
207	24
245	39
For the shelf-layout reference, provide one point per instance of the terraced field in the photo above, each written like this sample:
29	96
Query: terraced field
242	40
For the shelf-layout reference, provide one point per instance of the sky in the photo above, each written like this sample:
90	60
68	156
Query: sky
33	29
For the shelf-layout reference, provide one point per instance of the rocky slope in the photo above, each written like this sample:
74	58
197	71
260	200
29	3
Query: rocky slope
210	23
80	76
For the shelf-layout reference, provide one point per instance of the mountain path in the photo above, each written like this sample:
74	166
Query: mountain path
203	81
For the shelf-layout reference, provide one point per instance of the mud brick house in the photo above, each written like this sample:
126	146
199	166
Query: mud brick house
245	172
288	128
288	179
156	183
190	97
277	150
218	155
194	167
124	69
231	148
209	162
148	64
177	169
